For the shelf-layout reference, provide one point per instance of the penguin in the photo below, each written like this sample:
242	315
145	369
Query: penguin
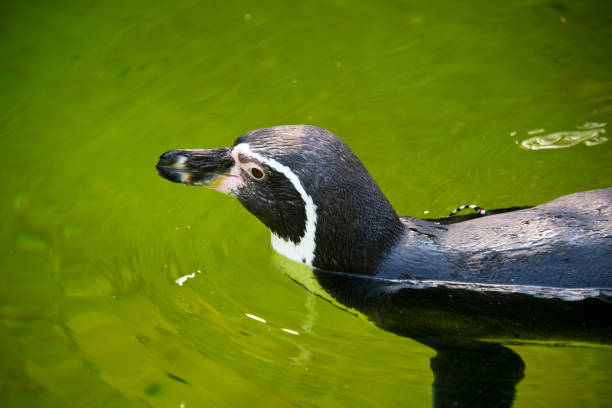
457	285
325	210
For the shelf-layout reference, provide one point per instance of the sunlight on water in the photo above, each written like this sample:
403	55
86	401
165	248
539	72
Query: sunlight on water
591	135
120	289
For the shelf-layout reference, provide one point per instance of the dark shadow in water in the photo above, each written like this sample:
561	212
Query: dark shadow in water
475	374
470	372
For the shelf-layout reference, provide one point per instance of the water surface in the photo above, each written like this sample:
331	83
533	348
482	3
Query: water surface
434	98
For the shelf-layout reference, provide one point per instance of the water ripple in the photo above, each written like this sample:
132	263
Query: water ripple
591	134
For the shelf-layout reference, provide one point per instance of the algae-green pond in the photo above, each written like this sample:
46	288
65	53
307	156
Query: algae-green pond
443	102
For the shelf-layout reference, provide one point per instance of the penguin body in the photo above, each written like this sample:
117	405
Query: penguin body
325	210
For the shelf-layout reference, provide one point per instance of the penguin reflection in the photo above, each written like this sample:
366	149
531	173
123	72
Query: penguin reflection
470	372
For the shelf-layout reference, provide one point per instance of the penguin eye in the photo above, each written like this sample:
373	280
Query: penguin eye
257	173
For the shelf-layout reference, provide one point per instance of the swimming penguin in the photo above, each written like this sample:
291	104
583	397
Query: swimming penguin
325	210
536	273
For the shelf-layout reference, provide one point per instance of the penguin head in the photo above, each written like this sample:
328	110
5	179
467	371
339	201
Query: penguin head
306	185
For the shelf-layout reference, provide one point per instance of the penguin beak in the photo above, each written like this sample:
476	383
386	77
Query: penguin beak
205	167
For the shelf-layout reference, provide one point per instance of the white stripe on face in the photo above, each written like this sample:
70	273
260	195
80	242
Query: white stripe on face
304	250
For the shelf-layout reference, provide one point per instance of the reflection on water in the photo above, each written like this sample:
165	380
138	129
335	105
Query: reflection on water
259	319
455	319
92	242
182	279
569	294
591	134
262	320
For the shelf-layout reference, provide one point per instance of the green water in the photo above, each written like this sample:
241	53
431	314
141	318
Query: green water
434	98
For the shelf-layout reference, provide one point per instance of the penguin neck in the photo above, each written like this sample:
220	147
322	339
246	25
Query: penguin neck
356	228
